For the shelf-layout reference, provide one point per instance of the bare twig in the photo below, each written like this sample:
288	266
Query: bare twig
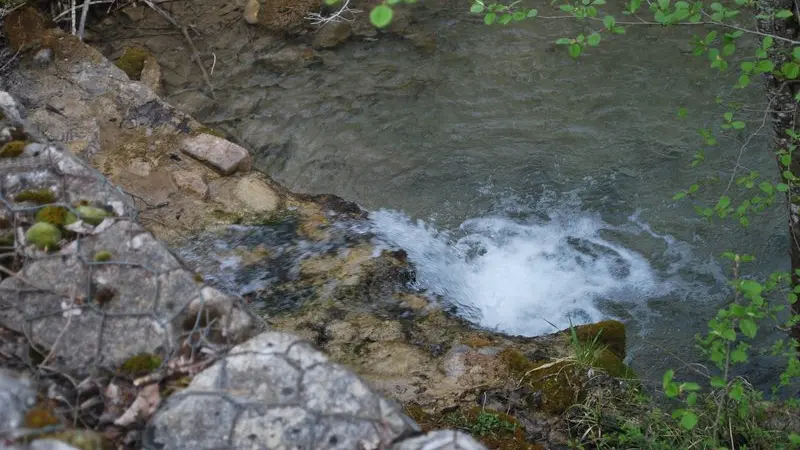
338	16
84	13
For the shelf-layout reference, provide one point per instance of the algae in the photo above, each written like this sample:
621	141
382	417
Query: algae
12	149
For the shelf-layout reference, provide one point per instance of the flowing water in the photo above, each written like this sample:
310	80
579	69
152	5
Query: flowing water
529	189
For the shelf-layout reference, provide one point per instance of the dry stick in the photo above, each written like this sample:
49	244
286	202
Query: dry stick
84	13
185	32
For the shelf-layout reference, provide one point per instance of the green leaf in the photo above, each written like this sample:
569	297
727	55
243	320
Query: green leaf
737	125
679	196
723	202
574	50
736	392
767	42
505	19
765	65
796	53
766	186
749	327
663	4
593	39
563	41
609	22
381	16
728	116
566	8
783	14
790	70
689	420
533	13
489	18
519	15
738	356
691	399
392	2
477	8
729	334
717	382
782	187
744	81
690	387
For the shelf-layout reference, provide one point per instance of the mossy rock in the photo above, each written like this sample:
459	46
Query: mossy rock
610	363
12	149
141	364
102	256
38	196
44	236
559	383
24	28
609	333
91	214
132	62
56	215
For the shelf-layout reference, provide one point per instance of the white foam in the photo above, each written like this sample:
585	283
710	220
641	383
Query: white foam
522	278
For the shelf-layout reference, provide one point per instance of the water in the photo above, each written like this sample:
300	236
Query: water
529	189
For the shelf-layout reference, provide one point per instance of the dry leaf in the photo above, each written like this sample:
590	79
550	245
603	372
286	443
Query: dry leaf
143	407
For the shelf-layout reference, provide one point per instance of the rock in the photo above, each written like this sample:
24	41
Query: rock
43	57
288	59
287	16
251	11
220	154
191	181
439	440
16	396
43	235
140	167
256	195
275	391
151	74
332	35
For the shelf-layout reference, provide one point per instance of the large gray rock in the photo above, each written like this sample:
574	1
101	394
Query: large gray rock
87	313
276	391
220	154
439	440
16	396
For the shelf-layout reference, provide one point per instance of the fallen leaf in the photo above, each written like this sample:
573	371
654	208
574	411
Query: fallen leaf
142	407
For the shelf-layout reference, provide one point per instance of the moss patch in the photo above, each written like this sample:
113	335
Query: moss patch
7	239
12	149
44	236
38	196
23	28
478	342
102	256
132	62
560	384
611	335
610	363
40	416
56	215
141	364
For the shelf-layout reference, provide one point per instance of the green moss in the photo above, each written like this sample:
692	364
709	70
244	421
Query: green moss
102	255
38	196
559	383
610	363
44	236
609	333
198	278
132	61
56	215
12	149
40	416
141	364
92	215
7	239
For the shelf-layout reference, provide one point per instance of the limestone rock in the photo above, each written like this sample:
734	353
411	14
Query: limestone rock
191	181
256	195
332	35
276	391
251	11
220	154
140	167
439	440
16	396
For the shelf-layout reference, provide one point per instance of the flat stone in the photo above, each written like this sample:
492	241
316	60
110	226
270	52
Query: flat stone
332	35
256	195
193	182
219	154
140	167
251	11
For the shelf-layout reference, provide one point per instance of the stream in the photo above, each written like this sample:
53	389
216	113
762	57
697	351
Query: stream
529	189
